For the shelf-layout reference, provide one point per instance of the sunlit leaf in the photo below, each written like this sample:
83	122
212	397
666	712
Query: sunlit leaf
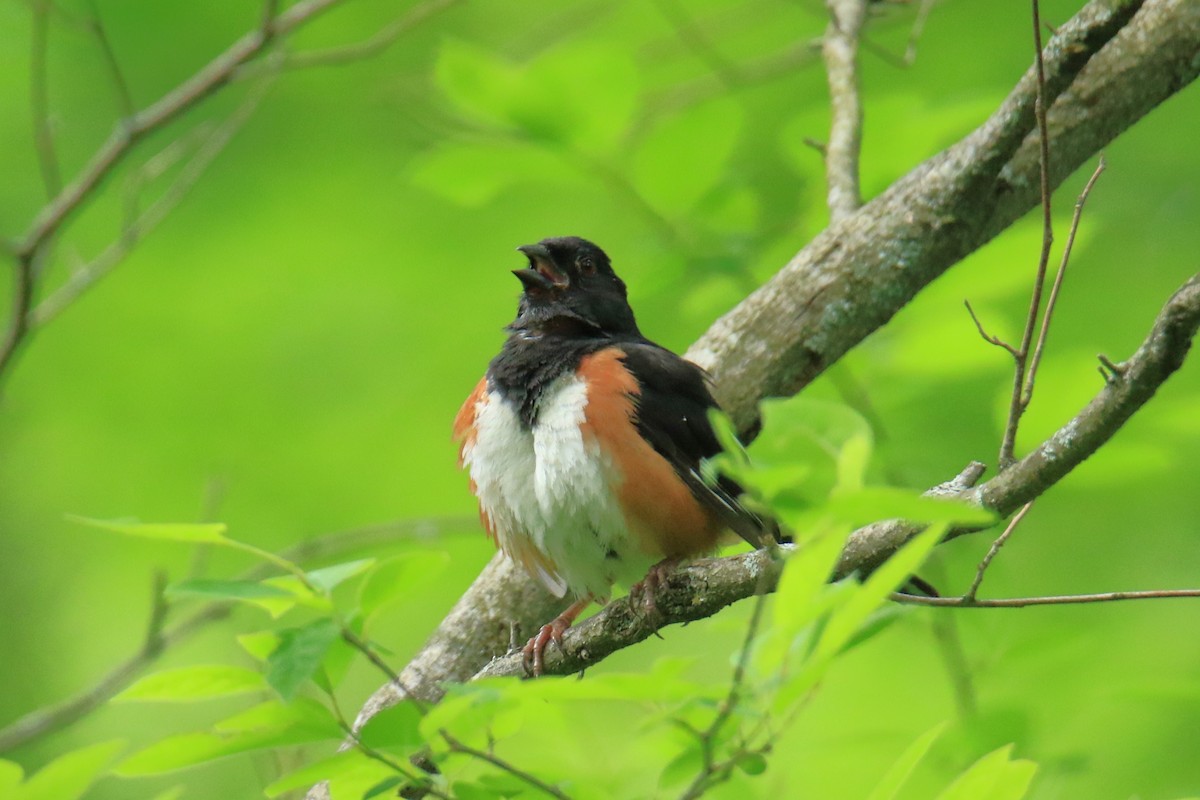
895	778
993	777
189	684
324	769
395	727
298	655
193	533
400	577
259	645
68	776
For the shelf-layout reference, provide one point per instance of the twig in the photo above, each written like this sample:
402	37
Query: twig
1050	600
1058	279
918	28
987	337
373	45
1018	402
970	594
714	771
124	96
39	103
459	747
840	50
375	755
85	276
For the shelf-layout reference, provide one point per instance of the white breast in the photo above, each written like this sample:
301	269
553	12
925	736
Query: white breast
550	487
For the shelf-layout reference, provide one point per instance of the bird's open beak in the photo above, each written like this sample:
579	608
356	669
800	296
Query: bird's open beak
541	272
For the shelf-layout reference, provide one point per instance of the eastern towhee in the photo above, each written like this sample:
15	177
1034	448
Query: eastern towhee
584	441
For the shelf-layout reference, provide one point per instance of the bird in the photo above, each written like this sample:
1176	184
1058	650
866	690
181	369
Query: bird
584	442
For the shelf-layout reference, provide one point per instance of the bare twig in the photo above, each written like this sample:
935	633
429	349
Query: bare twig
85	276
840	50
970	594
987	337
124	96
1050	600
1058	279
39	102
1018	402
457	746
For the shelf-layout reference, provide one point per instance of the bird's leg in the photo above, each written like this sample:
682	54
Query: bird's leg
647	588
535	649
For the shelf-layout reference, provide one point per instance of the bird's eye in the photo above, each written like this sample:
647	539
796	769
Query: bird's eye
586	265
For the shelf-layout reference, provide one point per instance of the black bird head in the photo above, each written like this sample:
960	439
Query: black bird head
570	288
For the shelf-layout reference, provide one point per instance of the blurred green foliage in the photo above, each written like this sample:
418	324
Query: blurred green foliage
286	352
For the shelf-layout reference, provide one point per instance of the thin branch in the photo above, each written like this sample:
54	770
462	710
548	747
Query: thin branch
124	96
1050	600
85	276
66	712
372	46
39	102
840	50
970	594
1018	402
987	337
459	747
714	771
1058	279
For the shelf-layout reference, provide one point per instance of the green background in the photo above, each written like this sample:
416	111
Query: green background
285	354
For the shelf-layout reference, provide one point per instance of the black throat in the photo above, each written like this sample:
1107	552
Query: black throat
531	361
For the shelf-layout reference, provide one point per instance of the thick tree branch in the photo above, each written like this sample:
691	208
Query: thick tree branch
1106	68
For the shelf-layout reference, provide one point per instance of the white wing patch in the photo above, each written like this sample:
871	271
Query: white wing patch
551	488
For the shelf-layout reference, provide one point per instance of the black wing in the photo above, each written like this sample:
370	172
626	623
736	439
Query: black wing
672	414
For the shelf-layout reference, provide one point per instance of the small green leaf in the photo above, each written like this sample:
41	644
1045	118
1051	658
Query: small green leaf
898	775
993	777
400	577
194	533
298	655
69	776
852	462
395	727
383	787
329	578
752	763
188	684
846	620
224	590
325	769
259	645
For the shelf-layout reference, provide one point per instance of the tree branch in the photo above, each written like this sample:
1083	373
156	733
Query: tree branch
840	50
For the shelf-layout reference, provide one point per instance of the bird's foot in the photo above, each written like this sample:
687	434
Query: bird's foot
534	652
645	591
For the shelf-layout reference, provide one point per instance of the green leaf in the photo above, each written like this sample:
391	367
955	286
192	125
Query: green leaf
395	727
11	775
752	763
846	620
400	577
993	777
68	776
188	684
260	644
298	655
194	533
334	766
224	590
329	578
685	156
870	505
383	787
262	727
899	773
852	462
